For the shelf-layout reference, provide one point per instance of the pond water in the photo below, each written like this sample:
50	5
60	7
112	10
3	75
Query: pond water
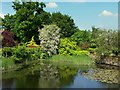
50	76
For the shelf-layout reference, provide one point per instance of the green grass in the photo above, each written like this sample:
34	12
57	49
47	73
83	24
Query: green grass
72	60
59	60
7	63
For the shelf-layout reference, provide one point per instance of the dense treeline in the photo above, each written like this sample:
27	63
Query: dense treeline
30	16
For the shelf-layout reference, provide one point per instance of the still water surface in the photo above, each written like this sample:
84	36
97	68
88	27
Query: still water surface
52	77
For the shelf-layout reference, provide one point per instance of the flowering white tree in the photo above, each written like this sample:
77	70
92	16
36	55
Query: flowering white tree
107	41
49	38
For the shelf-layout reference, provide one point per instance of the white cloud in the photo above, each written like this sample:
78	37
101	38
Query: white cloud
51	5
107	13
2	15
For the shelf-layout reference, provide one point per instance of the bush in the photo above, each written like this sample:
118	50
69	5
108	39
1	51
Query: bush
49	37
106	41
7	51
68	47
22	53
37	53
8	40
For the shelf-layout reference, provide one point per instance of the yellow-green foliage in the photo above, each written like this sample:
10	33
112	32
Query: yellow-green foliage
32	43
84	52
92	50
68	47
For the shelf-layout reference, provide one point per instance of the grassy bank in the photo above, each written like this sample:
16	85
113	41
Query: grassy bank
8	64
58	61
72	60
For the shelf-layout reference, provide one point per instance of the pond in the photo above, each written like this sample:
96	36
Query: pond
51	76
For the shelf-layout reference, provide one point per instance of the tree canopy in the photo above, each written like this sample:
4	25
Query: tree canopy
26	21
65	23
30	16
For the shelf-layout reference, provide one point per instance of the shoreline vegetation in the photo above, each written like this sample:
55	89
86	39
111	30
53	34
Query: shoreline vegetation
68	60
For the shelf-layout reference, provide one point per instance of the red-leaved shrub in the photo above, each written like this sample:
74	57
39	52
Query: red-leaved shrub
8	39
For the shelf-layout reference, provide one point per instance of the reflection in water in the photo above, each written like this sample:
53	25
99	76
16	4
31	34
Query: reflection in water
8	83
27	81
49	76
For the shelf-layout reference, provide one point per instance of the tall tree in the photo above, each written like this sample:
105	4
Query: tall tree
65	23
81	36
8	22
28	18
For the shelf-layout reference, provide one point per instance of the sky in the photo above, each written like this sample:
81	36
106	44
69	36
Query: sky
85	14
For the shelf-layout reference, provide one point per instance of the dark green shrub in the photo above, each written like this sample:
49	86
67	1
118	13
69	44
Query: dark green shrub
21	54
7	51
37	53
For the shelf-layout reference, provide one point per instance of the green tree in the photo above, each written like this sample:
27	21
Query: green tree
95	32
49	39
81	36
65	23
8	22
94	35
28	18
107	41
